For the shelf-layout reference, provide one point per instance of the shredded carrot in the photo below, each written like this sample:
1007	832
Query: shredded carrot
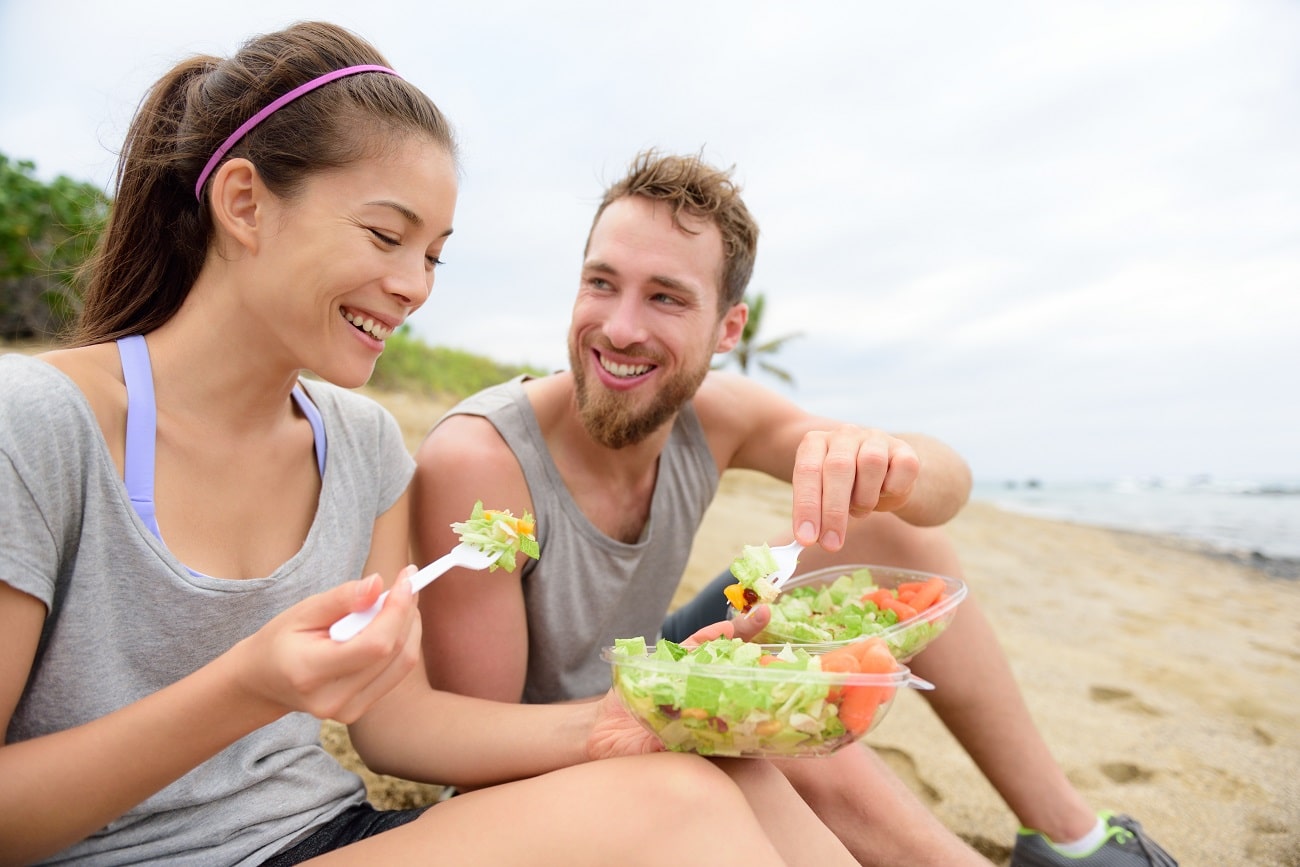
841	659
878	597
926	595
859	707
903	610
874	656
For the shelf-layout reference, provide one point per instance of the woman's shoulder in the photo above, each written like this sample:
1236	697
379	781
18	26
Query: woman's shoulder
93	371
342	402
352	415
42	409
45	382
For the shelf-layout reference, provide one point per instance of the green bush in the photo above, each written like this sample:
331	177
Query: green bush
409	364
46	232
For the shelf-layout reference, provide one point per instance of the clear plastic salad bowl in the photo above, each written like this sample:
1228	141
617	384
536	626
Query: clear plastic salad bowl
730	698
822	609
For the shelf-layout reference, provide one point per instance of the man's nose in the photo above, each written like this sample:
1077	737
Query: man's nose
626	323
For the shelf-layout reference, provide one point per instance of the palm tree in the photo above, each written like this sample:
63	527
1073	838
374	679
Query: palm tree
750	350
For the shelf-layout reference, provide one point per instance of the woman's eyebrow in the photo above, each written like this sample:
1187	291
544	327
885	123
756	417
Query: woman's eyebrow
411	217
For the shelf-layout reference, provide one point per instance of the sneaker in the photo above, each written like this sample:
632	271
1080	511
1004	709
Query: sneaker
1125	845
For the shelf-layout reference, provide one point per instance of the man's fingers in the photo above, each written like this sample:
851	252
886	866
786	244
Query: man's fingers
842	471
896	487
722	629
744	628
806	480
752	623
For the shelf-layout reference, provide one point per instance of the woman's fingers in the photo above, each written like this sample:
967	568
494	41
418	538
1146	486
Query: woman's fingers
293	661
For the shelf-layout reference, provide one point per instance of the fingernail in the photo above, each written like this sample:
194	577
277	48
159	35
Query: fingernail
831	541
807	530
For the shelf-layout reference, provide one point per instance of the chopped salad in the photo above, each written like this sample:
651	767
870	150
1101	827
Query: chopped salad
753	571
853	606
728	697
499	532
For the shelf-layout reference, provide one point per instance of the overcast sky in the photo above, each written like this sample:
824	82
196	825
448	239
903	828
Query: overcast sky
1062	236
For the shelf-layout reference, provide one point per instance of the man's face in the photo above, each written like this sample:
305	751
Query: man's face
645	322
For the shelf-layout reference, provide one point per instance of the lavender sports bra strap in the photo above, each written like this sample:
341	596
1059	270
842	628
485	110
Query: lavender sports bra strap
317	424
141	427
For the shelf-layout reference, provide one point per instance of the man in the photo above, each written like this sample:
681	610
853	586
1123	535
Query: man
619	457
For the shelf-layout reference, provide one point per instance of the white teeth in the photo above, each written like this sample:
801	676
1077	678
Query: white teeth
375	329
624	369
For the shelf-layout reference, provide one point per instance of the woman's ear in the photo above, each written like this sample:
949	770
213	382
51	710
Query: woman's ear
236	195
732	327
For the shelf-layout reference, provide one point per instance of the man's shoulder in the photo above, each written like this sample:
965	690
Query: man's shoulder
734	411
724	396
464	437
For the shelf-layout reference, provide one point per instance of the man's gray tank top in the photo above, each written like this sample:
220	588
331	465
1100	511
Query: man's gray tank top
588	589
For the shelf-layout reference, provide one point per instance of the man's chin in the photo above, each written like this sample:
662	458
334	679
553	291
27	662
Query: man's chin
615	428
620	418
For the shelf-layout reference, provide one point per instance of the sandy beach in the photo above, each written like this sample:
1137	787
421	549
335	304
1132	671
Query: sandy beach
1166	679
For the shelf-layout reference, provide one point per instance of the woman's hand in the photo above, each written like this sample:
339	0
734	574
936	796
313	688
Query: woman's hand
292	662
617	733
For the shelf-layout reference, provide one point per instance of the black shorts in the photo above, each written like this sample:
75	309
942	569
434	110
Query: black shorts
353	824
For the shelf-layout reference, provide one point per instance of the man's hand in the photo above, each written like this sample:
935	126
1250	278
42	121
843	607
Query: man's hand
848	471
745	627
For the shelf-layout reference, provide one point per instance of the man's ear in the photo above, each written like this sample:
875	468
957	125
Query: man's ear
235	193
732	327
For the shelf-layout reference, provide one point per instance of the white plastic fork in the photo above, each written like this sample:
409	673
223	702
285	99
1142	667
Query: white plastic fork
463	555
787	558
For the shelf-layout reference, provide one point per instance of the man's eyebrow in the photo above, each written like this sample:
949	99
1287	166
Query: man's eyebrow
660	279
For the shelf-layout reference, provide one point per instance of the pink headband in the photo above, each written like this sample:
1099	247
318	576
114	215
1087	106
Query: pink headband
272	109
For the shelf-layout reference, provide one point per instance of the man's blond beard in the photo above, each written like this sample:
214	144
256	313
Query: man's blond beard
608	418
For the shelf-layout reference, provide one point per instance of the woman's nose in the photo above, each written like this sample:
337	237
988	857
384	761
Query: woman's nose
411	285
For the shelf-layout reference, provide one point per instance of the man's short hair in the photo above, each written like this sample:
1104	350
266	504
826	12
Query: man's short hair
689	184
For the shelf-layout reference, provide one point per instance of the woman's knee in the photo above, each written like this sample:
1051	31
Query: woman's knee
685	790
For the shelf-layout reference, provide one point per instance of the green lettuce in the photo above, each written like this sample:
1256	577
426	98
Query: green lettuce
498	532
690	699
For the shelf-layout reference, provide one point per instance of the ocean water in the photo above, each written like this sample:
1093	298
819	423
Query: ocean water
1255	521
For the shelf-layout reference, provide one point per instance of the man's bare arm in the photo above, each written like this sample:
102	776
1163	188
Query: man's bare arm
475	629
838	470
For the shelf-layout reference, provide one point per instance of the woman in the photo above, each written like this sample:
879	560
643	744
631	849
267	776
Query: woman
185	518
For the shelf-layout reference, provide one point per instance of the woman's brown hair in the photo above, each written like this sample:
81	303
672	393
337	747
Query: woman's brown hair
158	234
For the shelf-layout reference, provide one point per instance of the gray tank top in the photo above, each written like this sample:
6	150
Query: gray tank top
588	589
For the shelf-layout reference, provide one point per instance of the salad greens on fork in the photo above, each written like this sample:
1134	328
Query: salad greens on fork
491	539
760	572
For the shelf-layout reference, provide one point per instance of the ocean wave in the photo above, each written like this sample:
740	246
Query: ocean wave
1255	522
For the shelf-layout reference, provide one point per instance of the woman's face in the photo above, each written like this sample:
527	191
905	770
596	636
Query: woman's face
353	254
